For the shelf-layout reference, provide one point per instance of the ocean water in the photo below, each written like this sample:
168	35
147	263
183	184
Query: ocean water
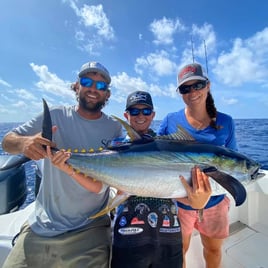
251	134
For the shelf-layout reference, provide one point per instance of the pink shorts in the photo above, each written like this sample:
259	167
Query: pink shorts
215	223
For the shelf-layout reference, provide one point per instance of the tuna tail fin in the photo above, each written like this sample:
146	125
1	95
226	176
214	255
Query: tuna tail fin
232	185
113	203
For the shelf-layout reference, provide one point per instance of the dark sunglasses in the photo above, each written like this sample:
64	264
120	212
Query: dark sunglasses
185	89
136	111
88	82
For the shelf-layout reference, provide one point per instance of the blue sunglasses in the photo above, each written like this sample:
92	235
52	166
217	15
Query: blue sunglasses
88	82
136	111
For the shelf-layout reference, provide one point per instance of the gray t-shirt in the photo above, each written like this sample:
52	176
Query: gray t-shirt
62	204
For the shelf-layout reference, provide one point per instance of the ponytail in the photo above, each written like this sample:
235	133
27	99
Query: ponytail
212	111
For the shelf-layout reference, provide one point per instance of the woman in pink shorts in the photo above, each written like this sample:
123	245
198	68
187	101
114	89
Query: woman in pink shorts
204	123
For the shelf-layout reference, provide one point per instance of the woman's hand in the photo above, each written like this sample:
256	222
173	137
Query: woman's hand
199	194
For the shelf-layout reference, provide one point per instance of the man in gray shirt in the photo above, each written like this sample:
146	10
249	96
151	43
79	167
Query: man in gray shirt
59	232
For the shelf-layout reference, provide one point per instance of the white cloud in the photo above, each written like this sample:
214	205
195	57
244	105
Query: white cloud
51	82
4	83
120	91
94	27
94	16
245	62
80	36
206	39
125	84
20	104
157	63
230	101
201	45
24	94
164	29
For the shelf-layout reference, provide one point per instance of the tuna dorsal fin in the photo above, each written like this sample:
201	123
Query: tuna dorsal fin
181	135
232	185
133	135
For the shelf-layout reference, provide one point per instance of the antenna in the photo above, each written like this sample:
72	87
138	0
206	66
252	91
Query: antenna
206	55
192	48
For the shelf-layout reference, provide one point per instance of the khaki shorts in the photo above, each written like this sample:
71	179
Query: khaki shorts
84	248
215	223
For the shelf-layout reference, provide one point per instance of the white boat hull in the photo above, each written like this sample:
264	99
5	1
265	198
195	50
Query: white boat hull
9	226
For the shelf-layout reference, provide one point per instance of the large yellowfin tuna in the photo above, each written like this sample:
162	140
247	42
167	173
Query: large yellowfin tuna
151	167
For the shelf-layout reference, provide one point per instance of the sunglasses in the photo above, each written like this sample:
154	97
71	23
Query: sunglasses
185	89
136	111
88	82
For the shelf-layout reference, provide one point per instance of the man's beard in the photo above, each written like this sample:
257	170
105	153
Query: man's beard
90	107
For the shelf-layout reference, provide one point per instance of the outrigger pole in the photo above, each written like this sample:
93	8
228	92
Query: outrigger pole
205	47
192	48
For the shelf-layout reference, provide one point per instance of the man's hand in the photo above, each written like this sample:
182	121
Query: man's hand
34	146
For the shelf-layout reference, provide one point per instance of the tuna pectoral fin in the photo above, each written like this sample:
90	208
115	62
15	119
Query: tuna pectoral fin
232	185
113	203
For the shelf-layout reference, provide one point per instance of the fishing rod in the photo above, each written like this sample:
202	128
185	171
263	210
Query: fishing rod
205	51
205	48
192	44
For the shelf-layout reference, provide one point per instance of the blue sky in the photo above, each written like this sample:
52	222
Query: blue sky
143	43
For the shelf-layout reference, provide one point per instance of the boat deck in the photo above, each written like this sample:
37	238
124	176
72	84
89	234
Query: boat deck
246	247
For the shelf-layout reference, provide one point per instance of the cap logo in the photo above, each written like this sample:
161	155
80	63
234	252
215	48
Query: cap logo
189	70
97	65
138	97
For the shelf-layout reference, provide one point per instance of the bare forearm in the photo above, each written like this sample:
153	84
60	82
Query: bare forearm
31	146
13	143
59	158
87	182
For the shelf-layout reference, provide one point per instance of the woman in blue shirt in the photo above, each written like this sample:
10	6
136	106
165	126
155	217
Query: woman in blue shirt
204	123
